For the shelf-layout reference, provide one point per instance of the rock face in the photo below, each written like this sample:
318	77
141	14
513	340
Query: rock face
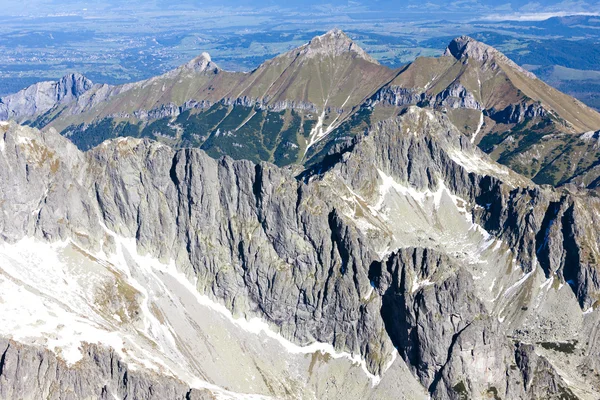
27	372
517	113
448	337
405	241
42	97
457	96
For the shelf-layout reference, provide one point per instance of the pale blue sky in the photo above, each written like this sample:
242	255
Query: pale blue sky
501	7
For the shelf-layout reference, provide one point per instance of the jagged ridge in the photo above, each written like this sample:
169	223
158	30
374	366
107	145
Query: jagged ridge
376	213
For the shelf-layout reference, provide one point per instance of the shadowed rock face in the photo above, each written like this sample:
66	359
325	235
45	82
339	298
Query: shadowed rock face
407	239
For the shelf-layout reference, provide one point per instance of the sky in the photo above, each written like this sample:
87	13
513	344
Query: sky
511	9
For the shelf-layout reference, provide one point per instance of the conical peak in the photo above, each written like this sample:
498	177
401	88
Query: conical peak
468	48
334	36
465	46
202	63
334	43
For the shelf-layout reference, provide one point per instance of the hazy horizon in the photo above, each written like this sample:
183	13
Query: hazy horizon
510	10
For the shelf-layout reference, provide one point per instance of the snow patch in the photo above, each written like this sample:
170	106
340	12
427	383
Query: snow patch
518	283
391	362
479	126
430	82
27	314
547	283
388	183
246	121
317	133
23	140
417	284
475	164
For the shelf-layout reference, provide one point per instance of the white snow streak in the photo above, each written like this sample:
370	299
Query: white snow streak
258	326
472	163
518	283
479	126
417	284
420	196
317	133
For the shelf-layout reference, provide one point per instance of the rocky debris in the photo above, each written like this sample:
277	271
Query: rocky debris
454	96
171	110
164	111
591	136
267	103
193	104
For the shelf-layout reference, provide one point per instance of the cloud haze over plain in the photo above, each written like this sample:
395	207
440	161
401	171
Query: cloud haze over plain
516	9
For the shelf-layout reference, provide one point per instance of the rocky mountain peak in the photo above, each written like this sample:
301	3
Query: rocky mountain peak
42	96
466	46
72	86
469	48
334	43
202	63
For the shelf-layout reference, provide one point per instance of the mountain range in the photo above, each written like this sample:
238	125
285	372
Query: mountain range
320	227
294	108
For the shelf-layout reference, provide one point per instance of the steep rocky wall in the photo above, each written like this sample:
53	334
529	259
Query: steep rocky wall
266	244
29	372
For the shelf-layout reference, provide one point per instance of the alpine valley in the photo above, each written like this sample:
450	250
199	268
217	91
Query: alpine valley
322	227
